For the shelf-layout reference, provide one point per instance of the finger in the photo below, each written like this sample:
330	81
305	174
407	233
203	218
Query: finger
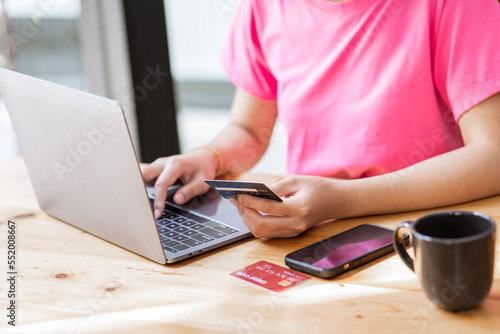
268	226
165	180
263	204
194	188
284	187
152	171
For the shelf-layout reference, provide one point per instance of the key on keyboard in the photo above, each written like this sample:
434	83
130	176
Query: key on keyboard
180	229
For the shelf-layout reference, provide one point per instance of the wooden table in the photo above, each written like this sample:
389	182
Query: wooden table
72	282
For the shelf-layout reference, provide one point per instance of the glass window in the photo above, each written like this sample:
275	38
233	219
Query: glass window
39	38
44	35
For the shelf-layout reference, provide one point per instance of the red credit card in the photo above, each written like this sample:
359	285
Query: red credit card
270	276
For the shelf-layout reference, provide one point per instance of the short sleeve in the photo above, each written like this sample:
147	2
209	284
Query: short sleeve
466	63
242	56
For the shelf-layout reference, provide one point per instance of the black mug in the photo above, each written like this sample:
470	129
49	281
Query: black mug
454	256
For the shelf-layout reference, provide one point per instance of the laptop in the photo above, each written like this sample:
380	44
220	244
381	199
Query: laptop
84	170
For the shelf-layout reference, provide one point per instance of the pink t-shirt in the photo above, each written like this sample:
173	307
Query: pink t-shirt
366	87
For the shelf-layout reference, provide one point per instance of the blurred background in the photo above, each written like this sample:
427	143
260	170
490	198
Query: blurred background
84	45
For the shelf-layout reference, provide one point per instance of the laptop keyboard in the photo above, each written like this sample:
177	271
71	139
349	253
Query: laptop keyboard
180	230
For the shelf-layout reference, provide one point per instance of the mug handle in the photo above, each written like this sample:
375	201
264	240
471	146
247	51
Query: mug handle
399	244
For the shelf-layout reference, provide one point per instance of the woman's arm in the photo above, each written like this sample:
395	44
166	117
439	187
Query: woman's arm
468	173
245	140
241	144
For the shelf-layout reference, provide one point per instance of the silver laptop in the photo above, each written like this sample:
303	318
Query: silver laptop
84	170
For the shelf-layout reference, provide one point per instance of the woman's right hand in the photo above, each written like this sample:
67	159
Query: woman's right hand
249	130
191	169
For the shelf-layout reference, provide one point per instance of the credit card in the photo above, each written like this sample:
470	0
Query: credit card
228	189
270	276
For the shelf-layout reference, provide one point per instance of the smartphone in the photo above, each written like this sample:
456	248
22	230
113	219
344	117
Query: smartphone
342	252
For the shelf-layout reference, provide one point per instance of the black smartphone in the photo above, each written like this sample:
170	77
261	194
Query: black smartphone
342	252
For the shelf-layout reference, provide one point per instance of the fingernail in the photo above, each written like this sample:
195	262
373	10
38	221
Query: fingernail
157	213
237	198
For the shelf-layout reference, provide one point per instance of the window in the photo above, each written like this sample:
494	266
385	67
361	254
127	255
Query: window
39	38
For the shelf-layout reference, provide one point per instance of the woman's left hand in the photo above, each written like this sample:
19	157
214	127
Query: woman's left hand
307	201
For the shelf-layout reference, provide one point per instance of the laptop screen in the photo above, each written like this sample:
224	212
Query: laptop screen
209	204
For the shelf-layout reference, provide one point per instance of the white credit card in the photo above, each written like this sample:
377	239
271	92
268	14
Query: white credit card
228	189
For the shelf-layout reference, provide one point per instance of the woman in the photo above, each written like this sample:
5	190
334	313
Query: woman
395	99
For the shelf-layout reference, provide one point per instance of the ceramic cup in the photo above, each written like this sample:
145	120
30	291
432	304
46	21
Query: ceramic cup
454	256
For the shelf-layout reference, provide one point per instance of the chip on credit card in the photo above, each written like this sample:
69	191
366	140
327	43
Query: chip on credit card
228	189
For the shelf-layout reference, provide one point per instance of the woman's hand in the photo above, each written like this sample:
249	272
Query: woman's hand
307	201
191	168
240	145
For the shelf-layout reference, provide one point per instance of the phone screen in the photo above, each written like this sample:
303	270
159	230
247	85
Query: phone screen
343	251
